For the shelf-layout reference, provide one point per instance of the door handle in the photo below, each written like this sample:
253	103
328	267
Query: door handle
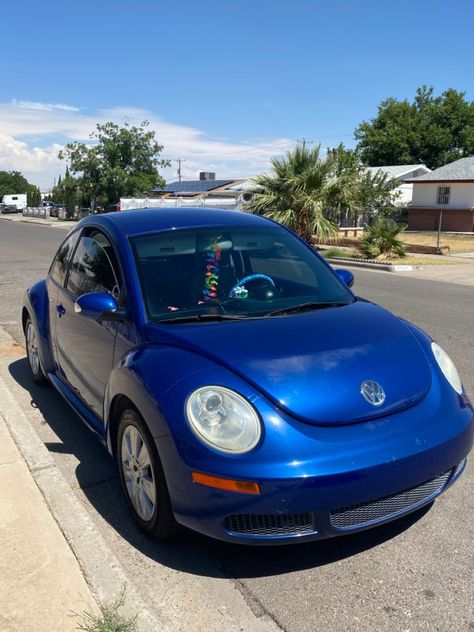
60	309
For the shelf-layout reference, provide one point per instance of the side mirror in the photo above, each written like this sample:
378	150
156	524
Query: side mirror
346	276
99	306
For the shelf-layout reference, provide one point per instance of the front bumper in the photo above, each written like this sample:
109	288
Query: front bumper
312	509
368	474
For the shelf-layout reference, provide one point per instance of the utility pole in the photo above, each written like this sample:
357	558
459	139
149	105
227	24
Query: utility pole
179	161
304	142
440	222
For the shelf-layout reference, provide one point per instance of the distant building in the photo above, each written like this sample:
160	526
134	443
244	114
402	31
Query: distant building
207	191
447	195
401	173
230	194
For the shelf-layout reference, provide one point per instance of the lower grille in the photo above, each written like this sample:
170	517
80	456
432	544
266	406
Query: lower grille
459	468
270	524
386	506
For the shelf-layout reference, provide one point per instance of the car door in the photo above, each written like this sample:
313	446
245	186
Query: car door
85	347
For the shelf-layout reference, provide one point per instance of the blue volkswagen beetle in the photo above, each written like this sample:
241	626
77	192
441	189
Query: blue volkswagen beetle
243	389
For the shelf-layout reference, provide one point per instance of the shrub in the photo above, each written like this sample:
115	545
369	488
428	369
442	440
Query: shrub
381	241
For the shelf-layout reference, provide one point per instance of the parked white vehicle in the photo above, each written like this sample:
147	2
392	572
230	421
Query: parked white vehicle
15	199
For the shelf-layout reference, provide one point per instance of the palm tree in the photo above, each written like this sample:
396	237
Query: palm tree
297	191
381	241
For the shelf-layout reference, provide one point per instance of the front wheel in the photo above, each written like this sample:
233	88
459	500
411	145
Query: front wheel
142	477
32	353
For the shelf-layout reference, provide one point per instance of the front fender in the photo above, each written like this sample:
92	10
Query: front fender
145	375
36	304
158	380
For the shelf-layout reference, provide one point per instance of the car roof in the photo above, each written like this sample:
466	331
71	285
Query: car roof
141	221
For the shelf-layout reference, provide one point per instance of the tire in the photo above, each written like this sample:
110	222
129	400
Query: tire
143	480
32	353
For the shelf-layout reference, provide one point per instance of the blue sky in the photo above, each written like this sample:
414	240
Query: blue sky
225	84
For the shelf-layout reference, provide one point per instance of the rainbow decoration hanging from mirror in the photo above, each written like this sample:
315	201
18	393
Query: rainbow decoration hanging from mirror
212	273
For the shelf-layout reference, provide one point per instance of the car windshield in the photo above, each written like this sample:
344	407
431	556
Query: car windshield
232	272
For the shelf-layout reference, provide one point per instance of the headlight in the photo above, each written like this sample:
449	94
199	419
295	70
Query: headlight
447	367
223	419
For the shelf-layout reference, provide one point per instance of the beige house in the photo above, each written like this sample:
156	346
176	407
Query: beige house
444	197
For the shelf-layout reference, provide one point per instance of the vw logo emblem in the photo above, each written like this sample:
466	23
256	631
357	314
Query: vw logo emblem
372	392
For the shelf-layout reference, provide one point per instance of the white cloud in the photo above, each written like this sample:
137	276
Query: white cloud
47	107
32	133
33	162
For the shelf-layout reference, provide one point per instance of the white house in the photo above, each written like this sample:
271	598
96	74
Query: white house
446	196
401	173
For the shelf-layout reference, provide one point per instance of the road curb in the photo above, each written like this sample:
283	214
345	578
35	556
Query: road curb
387	267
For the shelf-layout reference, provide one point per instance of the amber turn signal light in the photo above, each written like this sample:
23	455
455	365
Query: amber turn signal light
243	487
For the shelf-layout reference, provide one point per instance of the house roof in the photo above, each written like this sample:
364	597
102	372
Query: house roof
397	171
193	186
461	170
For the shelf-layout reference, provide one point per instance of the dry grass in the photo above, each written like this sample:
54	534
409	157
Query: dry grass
425	261
456	243
409	260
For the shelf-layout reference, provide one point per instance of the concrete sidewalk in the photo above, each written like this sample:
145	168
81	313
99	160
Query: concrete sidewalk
51	222
41	583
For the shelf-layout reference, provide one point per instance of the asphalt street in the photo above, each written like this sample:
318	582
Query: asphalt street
413	575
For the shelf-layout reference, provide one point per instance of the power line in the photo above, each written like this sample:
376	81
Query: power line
252	149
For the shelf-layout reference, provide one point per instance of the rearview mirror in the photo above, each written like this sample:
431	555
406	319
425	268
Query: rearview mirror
346	276
99	306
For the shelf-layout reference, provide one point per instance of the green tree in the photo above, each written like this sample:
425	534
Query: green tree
433	130
12	182
381	241
66	192
121	162
359	194
296	192
33	195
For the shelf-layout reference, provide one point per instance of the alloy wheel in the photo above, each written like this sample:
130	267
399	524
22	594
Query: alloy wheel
32	347
138	473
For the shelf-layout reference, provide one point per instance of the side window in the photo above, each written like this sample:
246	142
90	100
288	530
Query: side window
92	269
58	268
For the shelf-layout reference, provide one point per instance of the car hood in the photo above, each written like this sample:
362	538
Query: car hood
312	364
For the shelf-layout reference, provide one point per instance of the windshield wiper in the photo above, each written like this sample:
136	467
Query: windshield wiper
305	307
200	318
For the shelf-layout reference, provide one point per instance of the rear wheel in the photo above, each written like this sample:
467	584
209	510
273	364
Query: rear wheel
142	477
32	353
